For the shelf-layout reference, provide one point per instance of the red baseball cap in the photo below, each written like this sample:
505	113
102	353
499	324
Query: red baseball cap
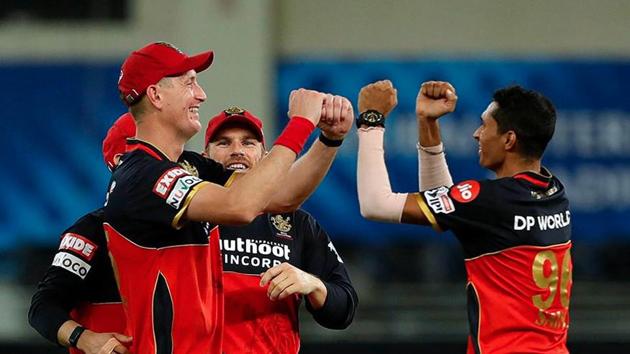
115	141
149	64
235	115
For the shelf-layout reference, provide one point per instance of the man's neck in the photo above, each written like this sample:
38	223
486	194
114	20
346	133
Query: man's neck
165	140
516	164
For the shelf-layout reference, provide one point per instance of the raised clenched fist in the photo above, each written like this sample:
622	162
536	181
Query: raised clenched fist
307	104
380	96
435	99
337	117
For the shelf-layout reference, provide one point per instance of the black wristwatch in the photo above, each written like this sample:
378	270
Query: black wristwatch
371	118
74	336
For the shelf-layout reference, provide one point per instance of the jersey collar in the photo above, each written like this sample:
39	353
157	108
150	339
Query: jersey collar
137	144
541	180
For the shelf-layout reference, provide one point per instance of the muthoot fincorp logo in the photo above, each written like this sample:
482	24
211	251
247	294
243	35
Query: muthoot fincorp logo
256	247
246	255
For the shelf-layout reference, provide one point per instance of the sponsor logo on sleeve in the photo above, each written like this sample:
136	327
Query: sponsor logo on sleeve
181	189
71	263
465	192
79	245
439	200
166	181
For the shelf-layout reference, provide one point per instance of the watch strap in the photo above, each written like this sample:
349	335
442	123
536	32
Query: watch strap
329	142
74	336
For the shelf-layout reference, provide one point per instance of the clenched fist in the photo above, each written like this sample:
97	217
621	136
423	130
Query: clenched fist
380	96
435	99
307	104
337	117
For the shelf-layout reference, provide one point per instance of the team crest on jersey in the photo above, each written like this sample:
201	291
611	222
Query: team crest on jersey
283	225
189	168
439	201
465	192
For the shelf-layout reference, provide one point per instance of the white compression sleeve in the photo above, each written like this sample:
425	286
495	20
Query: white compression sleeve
432	167
376	199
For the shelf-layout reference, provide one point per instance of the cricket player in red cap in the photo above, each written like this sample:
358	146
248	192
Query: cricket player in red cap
160	219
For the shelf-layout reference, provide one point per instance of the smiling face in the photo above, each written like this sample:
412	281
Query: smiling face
182	97
235	147
491	142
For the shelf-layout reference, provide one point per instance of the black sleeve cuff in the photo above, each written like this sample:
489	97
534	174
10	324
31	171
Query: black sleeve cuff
338	310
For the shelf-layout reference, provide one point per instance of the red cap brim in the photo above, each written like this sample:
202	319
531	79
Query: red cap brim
199	63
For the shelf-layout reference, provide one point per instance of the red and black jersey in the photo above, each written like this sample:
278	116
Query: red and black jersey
168	270
516	236
255	324
79	284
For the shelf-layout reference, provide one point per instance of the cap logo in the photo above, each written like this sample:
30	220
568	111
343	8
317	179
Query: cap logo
233	111
120	77
166	44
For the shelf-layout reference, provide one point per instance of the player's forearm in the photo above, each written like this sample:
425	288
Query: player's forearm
433	170
64	332
376	199
303	178
428	132
51	303
46	318
317	297
250	194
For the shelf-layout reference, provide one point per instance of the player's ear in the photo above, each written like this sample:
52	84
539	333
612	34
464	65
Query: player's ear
510	140
154	96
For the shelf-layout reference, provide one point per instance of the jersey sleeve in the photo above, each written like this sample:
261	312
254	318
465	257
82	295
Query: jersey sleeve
469	205
154	192
63	286
322	260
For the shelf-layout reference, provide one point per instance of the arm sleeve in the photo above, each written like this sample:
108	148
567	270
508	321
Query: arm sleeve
322	260
433	170
55	296
64	283
154	192
376	199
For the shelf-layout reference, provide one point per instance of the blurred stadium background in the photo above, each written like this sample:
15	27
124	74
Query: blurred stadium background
59	61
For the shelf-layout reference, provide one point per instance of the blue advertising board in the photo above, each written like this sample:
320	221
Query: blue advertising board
54	117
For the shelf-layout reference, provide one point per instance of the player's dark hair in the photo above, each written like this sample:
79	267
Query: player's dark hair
529	114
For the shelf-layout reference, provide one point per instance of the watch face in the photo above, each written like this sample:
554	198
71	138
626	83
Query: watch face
372	117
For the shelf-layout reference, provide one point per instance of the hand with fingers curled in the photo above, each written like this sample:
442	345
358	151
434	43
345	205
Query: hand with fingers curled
435	99
307	104
337	117
103	343
285	280
380	96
